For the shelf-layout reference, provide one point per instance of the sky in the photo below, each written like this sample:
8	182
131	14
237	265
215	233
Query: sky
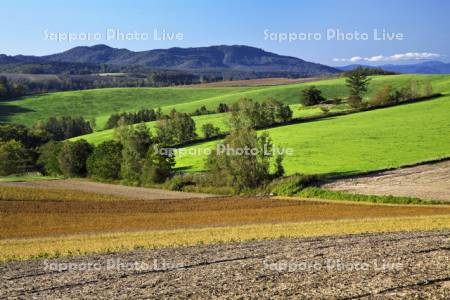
329	32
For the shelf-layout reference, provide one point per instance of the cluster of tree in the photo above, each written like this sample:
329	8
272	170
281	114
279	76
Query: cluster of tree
223	108
141	160
368	71
311	96
357	83
243	159
202	111
208	78
143	115
249	114
148	115
27	137
61	128
9	90
175	128
19	145
168	78
245	163
39	83
50	68
209	130
18	148
132	157
14	157
390	95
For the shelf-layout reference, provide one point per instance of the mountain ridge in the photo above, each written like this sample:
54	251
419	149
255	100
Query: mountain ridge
240	58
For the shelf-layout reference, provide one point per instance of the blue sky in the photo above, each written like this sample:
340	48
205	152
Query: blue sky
425	27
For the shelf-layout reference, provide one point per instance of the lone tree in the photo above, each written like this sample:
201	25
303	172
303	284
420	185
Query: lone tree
357	81
311	96
242	160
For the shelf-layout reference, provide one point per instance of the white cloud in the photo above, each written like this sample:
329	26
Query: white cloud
392	58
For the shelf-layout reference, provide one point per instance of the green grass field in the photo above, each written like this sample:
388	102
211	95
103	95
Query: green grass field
356	143
361	142
98	137
219	120
101	103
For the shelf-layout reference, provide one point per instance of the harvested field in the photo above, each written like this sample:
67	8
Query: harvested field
388	265
51	217
107	189
428	181
74	245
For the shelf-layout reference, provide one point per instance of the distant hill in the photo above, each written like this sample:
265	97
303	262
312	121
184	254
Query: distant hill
237	58
428	67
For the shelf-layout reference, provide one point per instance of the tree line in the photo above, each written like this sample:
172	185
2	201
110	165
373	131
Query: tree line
9	90
19	145
133	155
37	80
357	82
143	115
148	115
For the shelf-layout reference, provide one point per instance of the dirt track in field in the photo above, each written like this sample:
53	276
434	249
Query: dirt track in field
428	181
109	189
391	265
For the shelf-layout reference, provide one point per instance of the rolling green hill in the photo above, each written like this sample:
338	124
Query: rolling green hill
219	120
361	142
101	103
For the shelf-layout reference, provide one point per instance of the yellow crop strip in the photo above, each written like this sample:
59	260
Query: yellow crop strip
18	249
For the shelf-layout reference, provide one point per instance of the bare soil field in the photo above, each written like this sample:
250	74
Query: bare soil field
108	189
428	181
389	265
256	82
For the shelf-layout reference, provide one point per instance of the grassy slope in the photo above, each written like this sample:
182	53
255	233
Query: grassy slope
98	137
219	120
101	103
361	142
356	143
286	93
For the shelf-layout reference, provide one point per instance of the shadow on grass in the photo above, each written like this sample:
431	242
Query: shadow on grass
181	169
6	111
